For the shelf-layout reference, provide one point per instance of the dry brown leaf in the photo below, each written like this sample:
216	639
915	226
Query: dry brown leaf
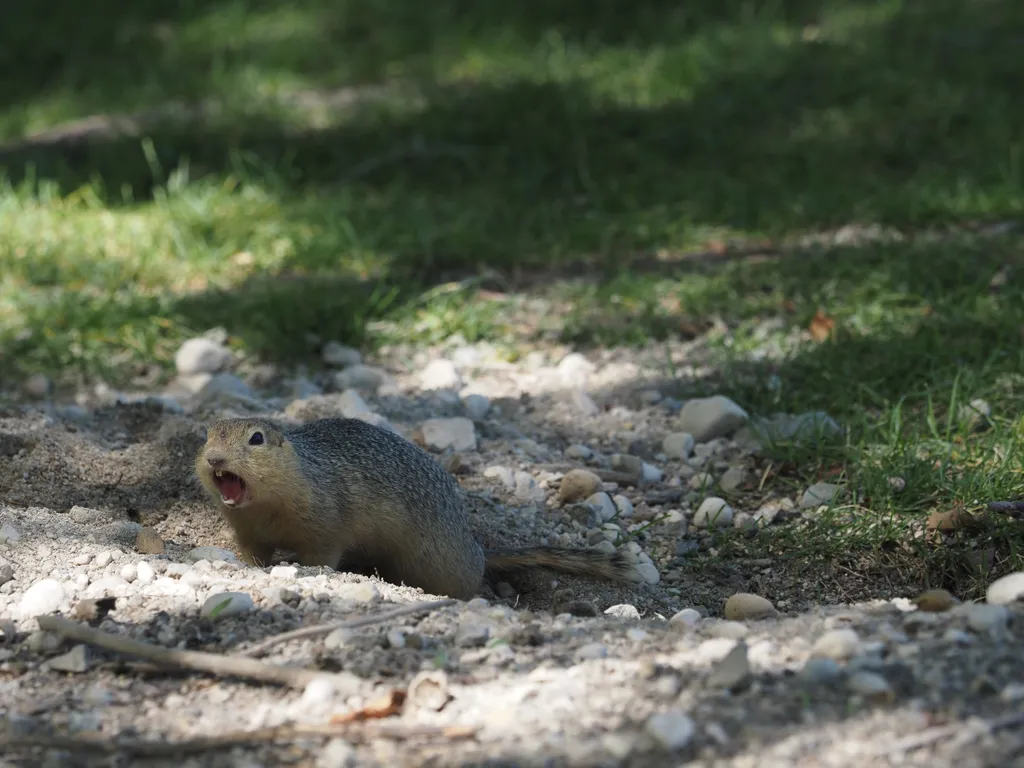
383	706
822	326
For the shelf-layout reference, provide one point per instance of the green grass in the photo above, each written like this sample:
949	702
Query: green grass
328	169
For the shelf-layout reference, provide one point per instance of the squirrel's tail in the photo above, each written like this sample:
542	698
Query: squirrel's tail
580	562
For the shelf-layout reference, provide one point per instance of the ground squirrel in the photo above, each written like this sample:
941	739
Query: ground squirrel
357	497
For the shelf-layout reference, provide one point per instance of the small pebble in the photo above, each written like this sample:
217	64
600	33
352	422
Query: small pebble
837	644
821	670
688	617
870	685
360	592
224	604
732	672
744	606
145	571
148	542
76	660
713	512
934	601
672	730
819	494
578	484
623	611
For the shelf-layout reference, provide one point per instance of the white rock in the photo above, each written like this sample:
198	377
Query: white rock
45	596
575	370
146	572
340	356
359	592
352	405
603	505
688	617
623	611
623	505
649	473
362	377
1006	590
647	572
129	572
678	445
709	417
284	572
201	355
837	644
103	559
579	452
76	660
713	512
701	481
527	489
476	406
9	534
319	690
732	479
818	494
673	730
440	374
503	474
107	586
457	433
224	604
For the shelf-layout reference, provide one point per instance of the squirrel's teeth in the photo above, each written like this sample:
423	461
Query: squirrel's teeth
219	473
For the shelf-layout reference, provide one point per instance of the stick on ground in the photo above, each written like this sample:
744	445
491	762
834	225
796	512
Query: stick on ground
326	629
214	663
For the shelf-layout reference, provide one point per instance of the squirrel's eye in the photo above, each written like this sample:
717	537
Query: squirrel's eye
256	439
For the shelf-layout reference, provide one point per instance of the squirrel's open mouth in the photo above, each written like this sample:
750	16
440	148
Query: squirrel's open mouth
233	490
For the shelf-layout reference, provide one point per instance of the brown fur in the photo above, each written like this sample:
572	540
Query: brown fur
350	495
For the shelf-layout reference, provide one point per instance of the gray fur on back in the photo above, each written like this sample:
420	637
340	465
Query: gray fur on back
403	512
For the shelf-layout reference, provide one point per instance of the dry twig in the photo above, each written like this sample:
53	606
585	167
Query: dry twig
326	629
214	663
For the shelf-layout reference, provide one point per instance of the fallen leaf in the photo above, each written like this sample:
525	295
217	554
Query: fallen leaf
821	326
383	706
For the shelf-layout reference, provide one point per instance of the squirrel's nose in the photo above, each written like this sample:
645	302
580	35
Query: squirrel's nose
216	461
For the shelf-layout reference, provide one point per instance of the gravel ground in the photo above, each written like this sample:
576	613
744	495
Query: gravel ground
742	664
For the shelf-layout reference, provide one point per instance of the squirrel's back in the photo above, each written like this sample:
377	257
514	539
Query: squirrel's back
349	494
